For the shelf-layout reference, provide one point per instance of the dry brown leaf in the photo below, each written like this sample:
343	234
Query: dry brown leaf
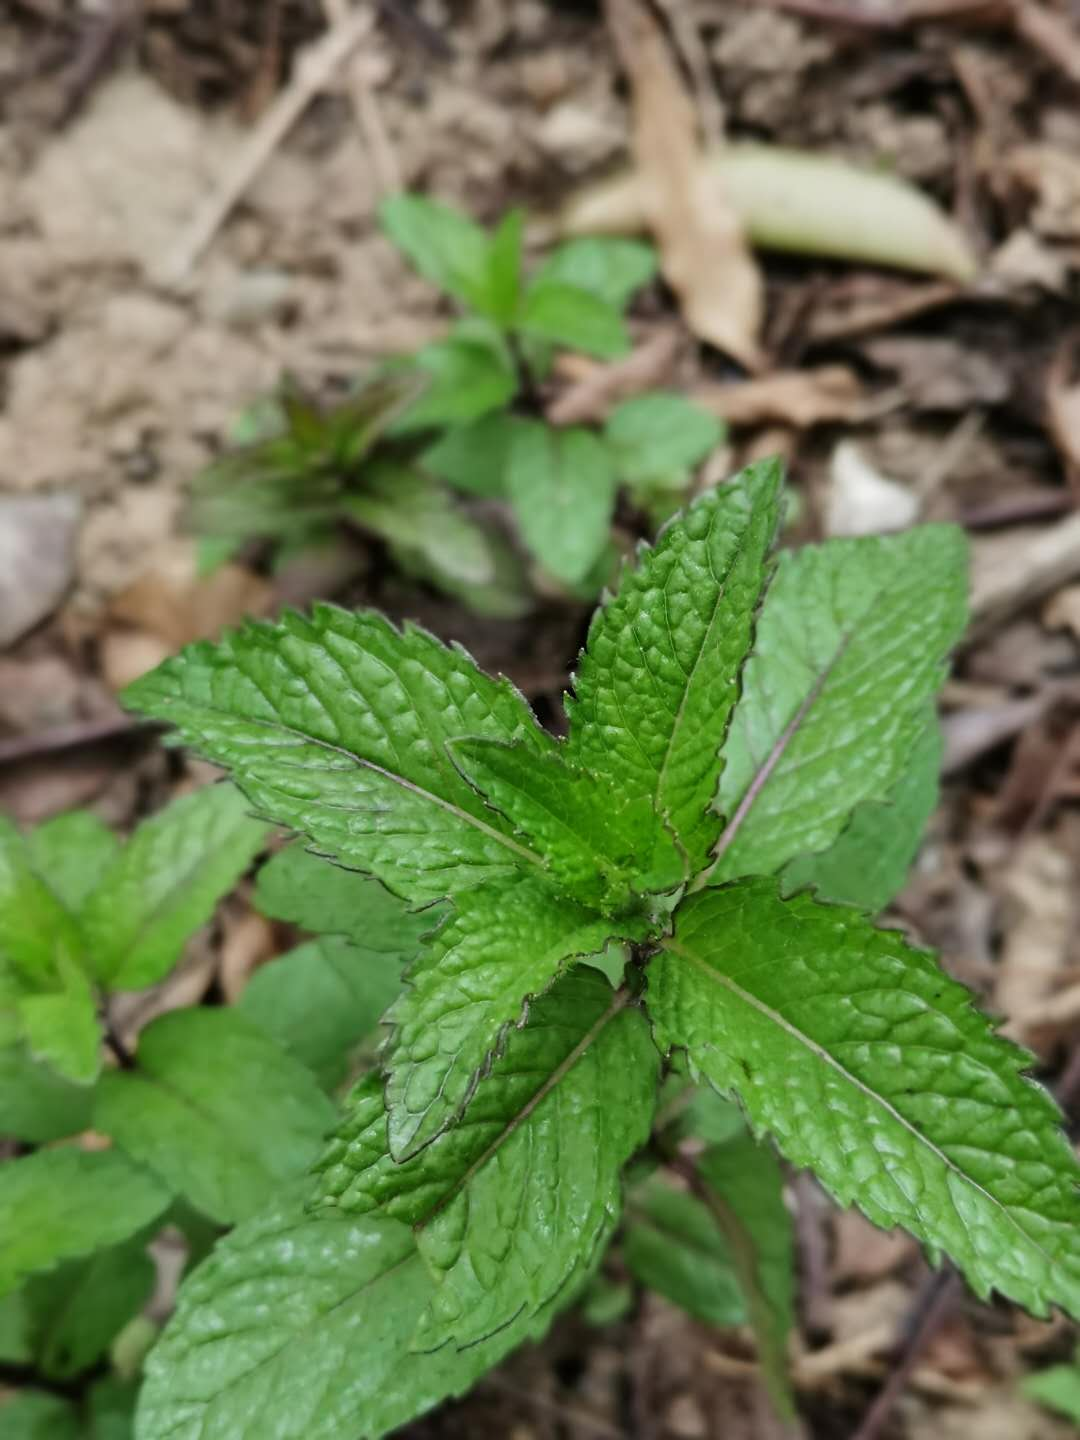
802	398
1039	914
1062	611
1012	569
704	255
1063	406
1053	176
171	601
597	388
248	940
864	1253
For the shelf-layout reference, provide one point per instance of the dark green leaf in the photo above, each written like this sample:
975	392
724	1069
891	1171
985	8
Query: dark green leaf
216	1109
75	1313
658	679
572	318
33	1415
337	727
166	882
673	1245
868	1063
112	1409
35	1103
562	487
58	1204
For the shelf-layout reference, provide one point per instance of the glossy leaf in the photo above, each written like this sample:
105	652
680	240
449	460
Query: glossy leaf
345	1295
867	1063
503	944
56	1205
562	489
166	882
216	1109
573	1095
659	676
851	643
868	864
337	726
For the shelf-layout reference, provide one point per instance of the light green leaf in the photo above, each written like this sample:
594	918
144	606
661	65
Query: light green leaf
341	1298
166	882
61	1026
1058	1388
598	852
475	457
851	643
337	727
673	1245
866	1062
573	1096
34	1415
320	1001
38	1105
562	489
75	1313
507	596
38	936
868	864
71	853
745	1190
659	435
503	944
573	318
312	892
447	249
659	677
56	1205
504	268
14	1325
611	269
216	1109
405	507
469	378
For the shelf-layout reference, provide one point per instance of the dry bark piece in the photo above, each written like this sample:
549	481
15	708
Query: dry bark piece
703	252
37	558
803	203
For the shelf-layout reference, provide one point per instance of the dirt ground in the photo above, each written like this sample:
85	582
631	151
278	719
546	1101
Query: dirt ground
129	340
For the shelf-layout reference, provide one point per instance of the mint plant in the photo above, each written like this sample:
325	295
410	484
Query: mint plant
464	414
739	726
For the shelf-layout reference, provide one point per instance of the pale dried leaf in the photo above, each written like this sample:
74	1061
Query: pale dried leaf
703	251
1039	914
1012	569
862	501
803	398
173	602
37	556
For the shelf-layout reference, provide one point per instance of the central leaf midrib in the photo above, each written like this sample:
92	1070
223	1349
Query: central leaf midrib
400	780
827	1058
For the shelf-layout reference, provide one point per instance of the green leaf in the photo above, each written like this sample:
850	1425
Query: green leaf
341	1298
112	1409
320	1001
573	318
75	1313
868	864
56	1205
38	935
507	596
71	853
659	435
216	1109
33	1415
14	1324
337	726
572	1097
504	944
611	269
504	268
673	1245
309	891
446	248
61	1026
598	852
166	882
405	507
475	457
746	1194
658	679
851	643
866	1062
562	489
1058	1388
469	378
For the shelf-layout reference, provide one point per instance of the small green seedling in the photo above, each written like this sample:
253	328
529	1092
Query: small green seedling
749	762
466	413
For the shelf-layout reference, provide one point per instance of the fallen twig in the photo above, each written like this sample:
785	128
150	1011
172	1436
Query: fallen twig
369	120
602	386
929	1310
